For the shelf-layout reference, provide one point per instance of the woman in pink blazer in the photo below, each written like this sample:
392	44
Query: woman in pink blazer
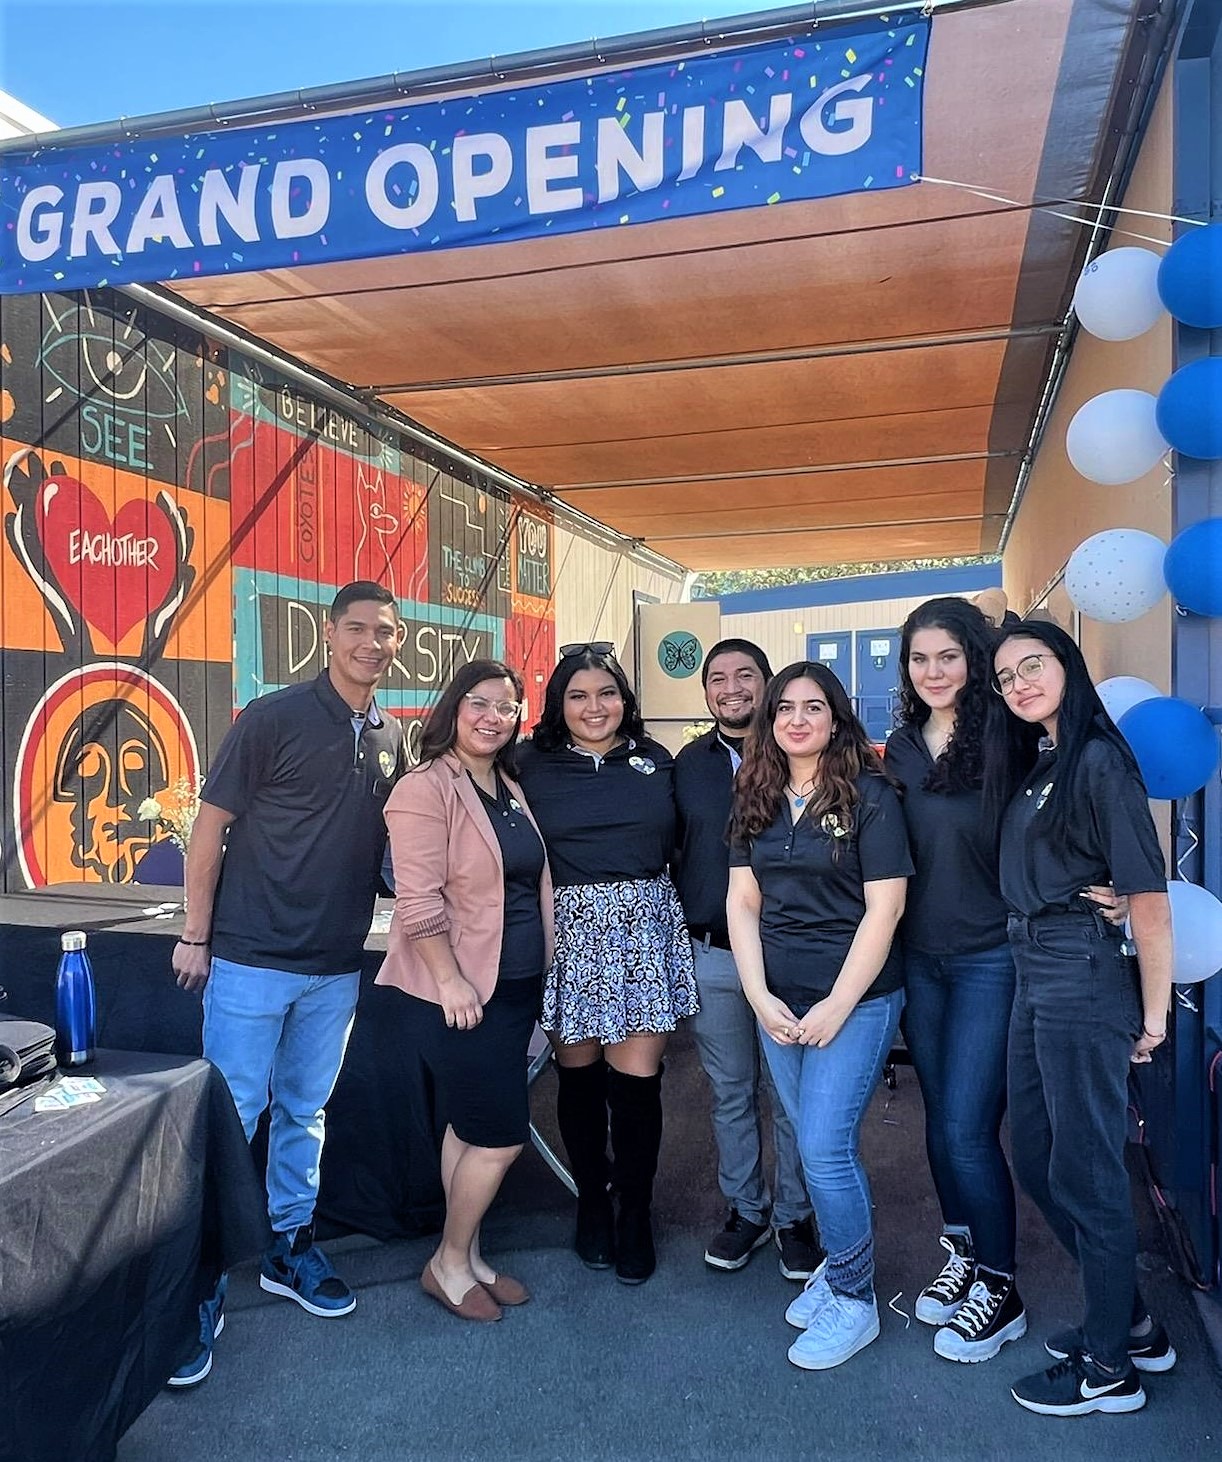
469	941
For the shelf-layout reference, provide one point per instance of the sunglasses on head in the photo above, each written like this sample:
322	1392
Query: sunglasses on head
592	647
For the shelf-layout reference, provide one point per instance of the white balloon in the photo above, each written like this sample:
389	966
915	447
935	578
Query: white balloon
1122	692
1196	932
1117	575
1114	437
1117	294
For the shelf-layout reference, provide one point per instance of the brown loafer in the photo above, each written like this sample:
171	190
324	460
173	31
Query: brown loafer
476	1304
507	1291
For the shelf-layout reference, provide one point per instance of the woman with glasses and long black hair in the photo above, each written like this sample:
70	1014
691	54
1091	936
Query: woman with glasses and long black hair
622	975
1076	814
469	940
818	868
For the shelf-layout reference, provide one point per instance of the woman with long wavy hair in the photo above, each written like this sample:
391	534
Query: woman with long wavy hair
1076	816
959	972
818	869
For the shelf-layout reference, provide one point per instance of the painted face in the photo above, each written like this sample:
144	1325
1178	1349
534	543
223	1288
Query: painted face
1031	678
362	643
937	665
593	710
487	719
803	724
733	690
104	778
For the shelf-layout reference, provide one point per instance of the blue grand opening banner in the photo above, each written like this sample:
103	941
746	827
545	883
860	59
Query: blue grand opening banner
762	125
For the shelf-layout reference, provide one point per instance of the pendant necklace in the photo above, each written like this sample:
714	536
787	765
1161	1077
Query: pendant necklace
799	798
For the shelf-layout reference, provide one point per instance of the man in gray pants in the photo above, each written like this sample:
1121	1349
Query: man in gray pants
734	673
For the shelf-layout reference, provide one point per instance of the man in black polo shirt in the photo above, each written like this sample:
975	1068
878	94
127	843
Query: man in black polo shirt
281	877
735	673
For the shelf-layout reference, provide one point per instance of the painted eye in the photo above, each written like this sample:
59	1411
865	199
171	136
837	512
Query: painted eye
91	354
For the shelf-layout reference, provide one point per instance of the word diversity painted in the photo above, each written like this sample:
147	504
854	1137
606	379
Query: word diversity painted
176	522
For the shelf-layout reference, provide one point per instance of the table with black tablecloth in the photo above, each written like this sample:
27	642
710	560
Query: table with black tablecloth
116	1218
380	1167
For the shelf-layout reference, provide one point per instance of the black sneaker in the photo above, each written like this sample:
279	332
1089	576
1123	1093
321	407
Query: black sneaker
801	1252
1076	1386
736	1242
938	1303
992	1314
1152	1352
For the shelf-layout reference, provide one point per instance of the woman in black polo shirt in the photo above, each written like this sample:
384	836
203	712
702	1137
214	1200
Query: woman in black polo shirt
818	868
468	944
959	972
1079	816
622	975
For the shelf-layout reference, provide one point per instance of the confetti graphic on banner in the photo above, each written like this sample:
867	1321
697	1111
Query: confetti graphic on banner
756	127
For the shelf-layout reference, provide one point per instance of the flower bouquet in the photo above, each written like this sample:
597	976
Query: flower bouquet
174	811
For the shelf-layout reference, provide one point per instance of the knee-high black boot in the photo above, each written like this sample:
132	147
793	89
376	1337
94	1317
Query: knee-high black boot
636	1135
581	1110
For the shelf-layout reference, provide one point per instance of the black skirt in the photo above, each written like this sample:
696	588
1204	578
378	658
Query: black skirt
480	1074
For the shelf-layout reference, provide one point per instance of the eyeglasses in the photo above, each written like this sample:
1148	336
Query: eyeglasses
506	710
593	647
1028	671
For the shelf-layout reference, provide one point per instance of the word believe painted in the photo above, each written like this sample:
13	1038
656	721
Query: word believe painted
761	125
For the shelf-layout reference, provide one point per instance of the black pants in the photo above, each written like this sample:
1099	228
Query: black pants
1076	1016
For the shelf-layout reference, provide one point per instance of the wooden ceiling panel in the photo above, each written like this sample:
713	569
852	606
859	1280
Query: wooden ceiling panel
850	545
915	434
806	292
738	513
823	389
795	494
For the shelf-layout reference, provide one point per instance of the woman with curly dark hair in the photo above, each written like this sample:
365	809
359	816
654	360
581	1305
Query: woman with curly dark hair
622	975
818	868
959	972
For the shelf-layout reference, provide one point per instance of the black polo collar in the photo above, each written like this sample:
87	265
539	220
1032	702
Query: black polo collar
337	706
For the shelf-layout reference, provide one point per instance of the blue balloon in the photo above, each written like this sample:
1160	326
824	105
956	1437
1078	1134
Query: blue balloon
1190	277
1175	745
1189	409
1193	568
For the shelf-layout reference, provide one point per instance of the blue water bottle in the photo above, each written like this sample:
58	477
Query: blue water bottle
75	1003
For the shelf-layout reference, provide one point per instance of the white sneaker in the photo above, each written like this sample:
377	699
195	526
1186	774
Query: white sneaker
815	1293
842	1327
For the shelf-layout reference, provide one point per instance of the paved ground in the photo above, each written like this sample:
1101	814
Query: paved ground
690	1365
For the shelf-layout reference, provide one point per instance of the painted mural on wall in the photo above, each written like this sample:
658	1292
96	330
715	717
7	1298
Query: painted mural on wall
176	520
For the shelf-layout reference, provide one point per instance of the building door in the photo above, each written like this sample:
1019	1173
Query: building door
877	680
833	649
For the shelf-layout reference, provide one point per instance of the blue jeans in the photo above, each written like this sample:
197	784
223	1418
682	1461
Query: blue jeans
826	1091
280	1036
728	1042
957	1024
1076	1014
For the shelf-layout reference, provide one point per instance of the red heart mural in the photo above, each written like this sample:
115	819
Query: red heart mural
115	571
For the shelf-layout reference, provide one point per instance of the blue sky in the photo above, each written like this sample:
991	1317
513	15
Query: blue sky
94	61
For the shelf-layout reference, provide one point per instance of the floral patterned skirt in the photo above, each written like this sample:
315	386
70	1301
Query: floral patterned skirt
623	962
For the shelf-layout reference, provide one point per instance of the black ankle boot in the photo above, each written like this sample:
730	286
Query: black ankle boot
636	1134
581	1110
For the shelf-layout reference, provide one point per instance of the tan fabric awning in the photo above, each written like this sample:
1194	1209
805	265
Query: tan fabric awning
854	378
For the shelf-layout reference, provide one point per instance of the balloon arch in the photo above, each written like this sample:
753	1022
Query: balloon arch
1119	575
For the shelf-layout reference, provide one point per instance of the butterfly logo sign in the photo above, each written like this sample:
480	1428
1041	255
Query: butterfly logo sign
680	654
